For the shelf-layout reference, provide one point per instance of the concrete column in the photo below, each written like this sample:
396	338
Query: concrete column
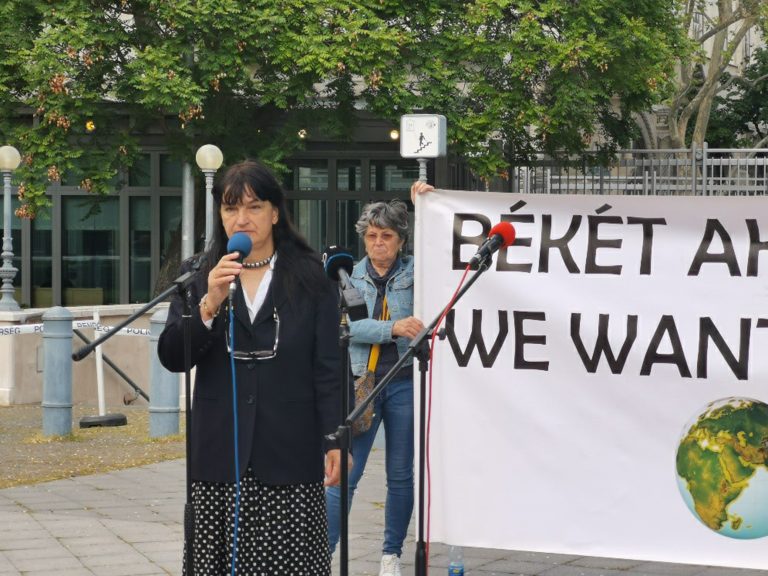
164	386
187	212
57	375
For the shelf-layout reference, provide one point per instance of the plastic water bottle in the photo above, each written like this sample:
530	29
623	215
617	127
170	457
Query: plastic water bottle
456	561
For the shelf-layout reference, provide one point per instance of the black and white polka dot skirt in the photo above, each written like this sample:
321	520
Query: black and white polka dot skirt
282	529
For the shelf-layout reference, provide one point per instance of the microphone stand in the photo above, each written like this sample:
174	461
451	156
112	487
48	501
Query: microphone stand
345	442
180	285
419	349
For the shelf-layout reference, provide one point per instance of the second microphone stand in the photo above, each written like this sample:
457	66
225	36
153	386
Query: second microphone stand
418	348
345	442
180	286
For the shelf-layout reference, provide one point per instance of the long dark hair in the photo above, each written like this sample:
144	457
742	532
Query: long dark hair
297	266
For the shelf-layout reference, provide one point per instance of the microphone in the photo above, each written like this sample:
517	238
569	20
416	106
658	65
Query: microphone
338	266
241	243
500	236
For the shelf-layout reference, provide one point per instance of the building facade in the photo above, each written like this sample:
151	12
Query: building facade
88	250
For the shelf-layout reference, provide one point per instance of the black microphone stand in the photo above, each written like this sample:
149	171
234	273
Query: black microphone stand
345	442
180	286
419	349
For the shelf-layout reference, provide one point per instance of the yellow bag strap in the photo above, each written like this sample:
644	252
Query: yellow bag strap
373	358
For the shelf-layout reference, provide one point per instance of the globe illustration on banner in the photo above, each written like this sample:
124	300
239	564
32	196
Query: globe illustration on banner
722	467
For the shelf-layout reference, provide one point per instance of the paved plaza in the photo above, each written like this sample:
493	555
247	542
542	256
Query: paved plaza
129	522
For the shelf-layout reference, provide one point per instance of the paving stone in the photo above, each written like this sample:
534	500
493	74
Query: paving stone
129	523
65	572
54	564
5	564
114	547
36	540
128	556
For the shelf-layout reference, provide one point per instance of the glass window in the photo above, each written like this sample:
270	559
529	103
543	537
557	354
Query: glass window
348	175
347	213
74	178
170	226
313	175
309	216
287	179
140	249
170	171
90	251
81	170
42	261
139	173
393	175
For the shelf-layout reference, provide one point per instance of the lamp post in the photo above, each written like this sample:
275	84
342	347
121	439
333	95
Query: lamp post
9	161
209	159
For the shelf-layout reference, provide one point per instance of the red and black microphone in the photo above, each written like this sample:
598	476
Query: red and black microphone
500	236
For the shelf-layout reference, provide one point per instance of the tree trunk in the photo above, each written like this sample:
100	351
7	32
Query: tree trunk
712	83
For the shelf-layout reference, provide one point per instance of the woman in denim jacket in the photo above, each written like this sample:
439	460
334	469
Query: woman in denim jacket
383	226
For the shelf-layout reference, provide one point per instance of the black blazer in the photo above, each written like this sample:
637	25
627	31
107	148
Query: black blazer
285	404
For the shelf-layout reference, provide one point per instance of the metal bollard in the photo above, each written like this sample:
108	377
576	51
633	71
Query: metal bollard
164	386
57	376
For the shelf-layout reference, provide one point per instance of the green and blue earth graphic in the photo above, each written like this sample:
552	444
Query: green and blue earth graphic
722	467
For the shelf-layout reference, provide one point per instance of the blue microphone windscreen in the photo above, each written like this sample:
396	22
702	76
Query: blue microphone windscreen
240	242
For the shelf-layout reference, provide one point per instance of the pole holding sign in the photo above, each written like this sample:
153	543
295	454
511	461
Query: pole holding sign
422	136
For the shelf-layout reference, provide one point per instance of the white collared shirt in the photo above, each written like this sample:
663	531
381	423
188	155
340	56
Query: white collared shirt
261	294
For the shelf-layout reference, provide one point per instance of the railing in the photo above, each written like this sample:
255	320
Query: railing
695	171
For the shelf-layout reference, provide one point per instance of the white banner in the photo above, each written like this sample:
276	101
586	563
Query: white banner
572	407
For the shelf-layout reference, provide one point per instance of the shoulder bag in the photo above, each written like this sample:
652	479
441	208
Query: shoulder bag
365	384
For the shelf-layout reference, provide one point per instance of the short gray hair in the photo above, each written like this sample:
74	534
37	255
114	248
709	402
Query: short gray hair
392	214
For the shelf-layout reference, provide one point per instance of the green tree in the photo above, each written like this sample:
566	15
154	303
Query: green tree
81	79
741	117
551	76
718	28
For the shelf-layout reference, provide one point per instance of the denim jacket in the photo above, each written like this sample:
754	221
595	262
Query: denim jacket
363	333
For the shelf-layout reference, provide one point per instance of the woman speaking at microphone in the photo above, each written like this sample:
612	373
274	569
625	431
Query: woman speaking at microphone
287	379
385	279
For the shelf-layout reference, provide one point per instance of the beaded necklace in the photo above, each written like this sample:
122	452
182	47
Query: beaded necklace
259	263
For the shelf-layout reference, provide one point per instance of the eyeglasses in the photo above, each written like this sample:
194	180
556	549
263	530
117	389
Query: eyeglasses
258	354
385	236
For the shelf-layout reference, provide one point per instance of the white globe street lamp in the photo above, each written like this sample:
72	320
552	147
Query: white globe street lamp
9	161
209	159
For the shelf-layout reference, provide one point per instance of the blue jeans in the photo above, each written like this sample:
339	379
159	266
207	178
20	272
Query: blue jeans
393	407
